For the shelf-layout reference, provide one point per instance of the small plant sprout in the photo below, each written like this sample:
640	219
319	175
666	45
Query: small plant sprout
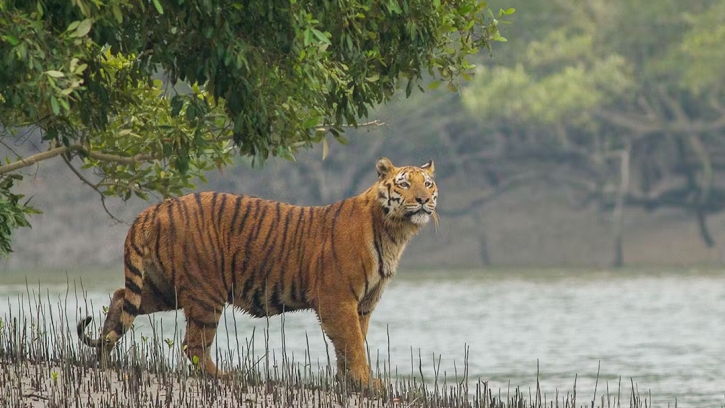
54	376
169	342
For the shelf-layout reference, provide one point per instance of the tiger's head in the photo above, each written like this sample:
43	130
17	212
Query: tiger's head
407	194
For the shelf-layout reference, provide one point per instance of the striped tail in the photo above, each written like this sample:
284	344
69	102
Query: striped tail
81	328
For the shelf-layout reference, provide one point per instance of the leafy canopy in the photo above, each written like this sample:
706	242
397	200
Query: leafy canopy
106	81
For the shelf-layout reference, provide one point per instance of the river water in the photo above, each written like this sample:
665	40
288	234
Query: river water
664	331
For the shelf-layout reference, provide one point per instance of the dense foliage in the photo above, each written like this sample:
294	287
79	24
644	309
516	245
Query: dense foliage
104	81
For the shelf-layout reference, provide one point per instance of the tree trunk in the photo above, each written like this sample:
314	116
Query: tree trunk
483	250
618	213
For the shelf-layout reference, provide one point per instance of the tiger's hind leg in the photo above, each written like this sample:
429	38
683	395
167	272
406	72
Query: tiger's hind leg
201	326
152	300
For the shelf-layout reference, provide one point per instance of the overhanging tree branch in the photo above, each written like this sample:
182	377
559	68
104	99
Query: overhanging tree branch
57	151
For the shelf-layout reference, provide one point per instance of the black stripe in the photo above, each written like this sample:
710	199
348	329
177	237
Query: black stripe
197	198
213	202
246	216
311	211
132	286
378	250
159	294
257	308
210	231
135	248
184	210
134	270
274	305
340	205
207	237
209	307
130	308
205	324
288	247
237	206
222	206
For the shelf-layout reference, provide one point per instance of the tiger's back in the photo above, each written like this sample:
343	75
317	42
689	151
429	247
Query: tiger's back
201	251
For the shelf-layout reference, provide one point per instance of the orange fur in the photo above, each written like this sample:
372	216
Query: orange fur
201	251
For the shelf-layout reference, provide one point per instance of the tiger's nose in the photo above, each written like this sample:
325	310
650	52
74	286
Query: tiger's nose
422	199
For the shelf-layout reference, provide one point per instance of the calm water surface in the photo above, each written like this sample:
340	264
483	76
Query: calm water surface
665	331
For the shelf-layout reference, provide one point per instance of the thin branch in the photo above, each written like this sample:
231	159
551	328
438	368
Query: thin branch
56	151
11	149
94	187
375	122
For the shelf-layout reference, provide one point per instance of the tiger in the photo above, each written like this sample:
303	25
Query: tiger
202	251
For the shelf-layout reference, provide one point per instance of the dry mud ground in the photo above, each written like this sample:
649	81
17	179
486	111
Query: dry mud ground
47	385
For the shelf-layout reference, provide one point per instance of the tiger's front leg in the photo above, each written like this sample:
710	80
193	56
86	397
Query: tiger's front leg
341	324
201	327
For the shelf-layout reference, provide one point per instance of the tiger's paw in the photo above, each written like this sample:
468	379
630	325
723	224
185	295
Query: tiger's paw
367	384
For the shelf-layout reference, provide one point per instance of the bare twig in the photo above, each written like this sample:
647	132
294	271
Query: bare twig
94	187
11	149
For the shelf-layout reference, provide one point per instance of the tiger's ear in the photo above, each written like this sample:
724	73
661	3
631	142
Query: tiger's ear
429	167
384	167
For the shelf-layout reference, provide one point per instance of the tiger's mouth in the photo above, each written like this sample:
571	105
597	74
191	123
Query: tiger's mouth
418	211
418	216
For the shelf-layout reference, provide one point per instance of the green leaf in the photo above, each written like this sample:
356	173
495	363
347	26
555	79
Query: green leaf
55	74
54	105
10	39
177	102
117	13
84	27
158	7
321	36
394	7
